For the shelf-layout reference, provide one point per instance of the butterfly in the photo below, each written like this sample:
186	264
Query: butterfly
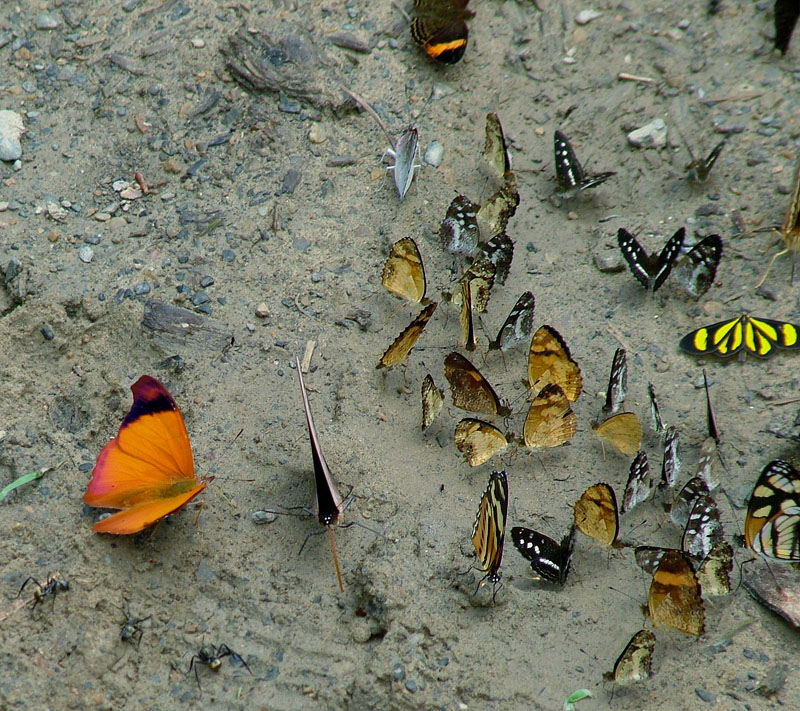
640	485
401	346
403	272
465	317
617	382
459	232
570	175
704	463
470	390
699	168
405	154
703	529
711	421
650	270
549	560
478	441
550	421
147	470
499	250
790	230
675	599
480	277
549	361
749	334
773	514
495	148
655	413
713	572
696	271
636	661
681	509
596	514
328	504
786	14
432	401
671	463
440	28
623	431
493	216
489	530
517	325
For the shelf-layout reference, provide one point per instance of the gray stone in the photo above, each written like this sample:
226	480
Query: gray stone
651	135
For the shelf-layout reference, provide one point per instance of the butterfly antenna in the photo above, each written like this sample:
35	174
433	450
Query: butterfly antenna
364	105
769	267
335	559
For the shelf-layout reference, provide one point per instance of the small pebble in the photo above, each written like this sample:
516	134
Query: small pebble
11	128
262	517
584	17
47	332
200	297
141	288
434	154
706	696
46	21
317	133
86	254
651	135
262	310
398	672
411	686
206	281
198	42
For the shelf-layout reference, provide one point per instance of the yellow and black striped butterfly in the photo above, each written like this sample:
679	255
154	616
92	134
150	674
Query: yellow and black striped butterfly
636	661
403	272
749	334
597	515
402	345
489	530
772	525
790	230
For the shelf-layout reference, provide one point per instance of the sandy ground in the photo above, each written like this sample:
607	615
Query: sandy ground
116	88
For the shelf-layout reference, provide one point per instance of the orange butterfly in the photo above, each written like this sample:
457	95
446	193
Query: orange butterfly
147	470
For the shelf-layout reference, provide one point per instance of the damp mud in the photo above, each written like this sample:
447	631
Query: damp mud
160	170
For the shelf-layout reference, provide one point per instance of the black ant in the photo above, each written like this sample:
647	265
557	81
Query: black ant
211	656
130	629
51	587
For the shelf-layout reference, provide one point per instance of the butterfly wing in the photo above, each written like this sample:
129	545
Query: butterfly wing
675	599
495	150
773	514
639	487
478	441
569	172
549	361
494	214
403	272
401	346
597	515
518	325
550	421
459	232
499	250
147	469
465	317
470	390
655	413
549	560
622	430
432	401
696	271
682	507
635	255
489	529
636	661
671	463
406	151
617	382
703	529
714	574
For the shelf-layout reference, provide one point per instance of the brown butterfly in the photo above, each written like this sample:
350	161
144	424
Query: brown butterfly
478	441
403	272
465	318
636	661
470	390
489	530
597	515
402	345
440	28
549	361
675	599
550	421
432	401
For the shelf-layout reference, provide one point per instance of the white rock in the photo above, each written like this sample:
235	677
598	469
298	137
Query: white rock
651	135
11	128
584	17
86	254
434	154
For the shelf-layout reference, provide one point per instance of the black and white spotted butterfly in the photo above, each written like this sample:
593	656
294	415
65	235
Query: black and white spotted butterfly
703	529
549	560
699	168
459	231
617	383
640	484
655	412
650	270
671	463
570	174
518	326
684	504
696	271
499	250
